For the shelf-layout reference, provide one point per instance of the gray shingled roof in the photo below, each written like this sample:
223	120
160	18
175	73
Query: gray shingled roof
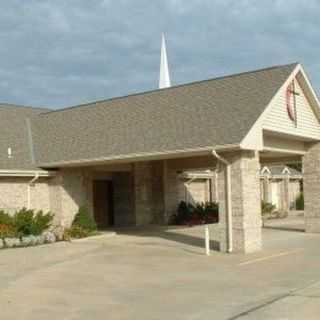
14	135
201	114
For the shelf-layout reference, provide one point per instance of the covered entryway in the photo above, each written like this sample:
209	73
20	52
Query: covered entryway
280	151
103	203
112	197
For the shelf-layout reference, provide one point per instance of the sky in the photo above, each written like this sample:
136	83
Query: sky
62	53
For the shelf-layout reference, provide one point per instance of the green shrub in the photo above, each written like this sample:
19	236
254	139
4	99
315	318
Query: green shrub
267	207
183	215
5	218
77	232
207	212
41	222
211	212
23	221
7	231
27	222
300	202
84	220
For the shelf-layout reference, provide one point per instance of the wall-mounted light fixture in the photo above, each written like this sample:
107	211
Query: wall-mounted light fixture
9	153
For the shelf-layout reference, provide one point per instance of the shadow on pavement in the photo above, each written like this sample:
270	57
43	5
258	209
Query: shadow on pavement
168	233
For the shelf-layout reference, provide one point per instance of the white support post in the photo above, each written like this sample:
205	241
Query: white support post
207	240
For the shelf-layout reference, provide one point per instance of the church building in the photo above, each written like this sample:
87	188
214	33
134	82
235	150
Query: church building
122	157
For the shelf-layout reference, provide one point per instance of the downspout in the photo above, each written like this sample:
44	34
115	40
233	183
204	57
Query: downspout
228	202
30	183
186	189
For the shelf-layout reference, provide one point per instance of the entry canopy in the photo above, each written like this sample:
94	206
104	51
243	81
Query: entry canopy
223	113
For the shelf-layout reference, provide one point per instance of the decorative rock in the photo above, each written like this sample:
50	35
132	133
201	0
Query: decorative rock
49	237
26	241
33	240
41	239
58	231
11	242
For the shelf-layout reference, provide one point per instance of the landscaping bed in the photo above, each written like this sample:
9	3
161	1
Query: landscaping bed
28	227
191	215
27	241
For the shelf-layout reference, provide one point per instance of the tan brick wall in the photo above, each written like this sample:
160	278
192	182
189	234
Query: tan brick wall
75	191
14	194
39	195
311	183
194	191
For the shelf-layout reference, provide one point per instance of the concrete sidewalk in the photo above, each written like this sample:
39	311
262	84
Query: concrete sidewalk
159	274
294	223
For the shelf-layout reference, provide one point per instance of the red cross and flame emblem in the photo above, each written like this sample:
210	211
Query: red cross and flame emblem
291	102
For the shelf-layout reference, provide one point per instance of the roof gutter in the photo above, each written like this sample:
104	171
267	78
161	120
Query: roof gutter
25	173
227	165
143	156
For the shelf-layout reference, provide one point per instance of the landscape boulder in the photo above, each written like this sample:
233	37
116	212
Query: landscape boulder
49	237
12	242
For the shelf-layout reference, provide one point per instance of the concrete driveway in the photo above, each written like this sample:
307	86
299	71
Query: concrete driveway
162	275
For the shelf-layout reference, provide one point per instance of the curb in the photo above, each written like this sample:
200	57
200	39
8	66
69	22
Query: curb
104	235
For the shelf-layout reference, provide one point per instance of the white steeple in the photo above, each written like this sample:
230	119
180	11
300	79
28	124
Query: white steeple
164	80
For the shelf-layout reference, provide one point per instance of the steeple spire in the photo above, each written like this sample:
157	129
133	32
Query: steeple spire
164	79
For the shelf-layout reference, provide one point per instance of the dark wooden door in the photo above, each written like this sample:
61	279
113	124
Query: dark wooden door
103	203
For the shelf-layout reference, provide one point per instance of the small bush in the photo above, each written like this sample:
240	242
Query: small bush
211	212
183	215
267	207
23	220
41	222
300	202
84	220
7	231
76	232
201	213
5	218
27	222
208	212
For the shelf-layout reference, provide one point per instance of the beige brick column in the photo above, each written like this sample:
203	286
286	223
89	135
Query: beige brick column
222	236
311	186
142	176
171	190
158	192
245	198
148	192
285	200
